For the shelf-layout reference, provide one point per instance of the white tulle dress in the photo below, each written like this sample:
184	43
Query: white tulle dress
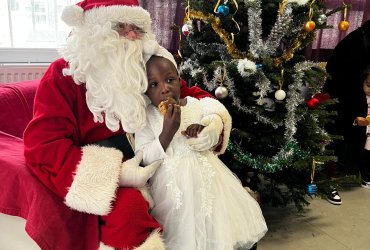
198	200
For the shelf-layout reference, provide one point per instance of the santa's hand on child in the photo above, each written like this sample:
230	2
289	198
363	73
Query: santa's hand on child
133	175
209	136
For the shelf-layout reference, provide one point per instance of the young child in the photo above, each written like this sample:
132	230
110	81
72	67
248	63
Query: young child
364	121
198	200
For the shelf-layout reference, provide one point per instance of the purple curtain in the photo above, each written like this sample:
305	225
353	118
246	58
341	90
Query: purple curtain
327	39
165	14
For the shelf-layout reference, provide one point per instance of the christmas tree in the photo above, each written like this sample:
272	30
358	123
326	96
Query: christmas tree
250	55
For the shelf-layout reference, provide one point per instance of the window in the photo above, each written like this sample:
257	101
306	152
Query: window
31	25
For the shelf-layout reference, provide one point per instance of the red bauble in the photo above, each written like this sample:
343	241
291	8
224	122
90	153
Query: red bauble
322	97
313	103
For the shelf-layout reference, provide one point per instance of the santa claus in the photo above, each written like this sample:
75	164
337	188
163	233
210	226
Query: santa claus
85	104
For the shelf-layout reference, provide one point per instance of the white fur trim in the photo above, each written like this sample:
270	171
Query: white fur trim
117	13
213	106
96	179
105	247
73	15
147	196
153	242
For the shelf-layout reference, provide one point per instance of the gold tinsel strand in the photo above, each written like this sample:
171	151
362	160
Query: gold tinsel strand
289	53
223	34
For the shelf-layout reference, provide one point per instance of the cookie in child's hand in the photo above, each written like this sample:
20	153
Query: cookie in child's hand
368	119
163	106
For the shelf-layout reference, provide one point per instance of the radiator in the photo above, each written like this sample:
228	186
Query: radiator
17	73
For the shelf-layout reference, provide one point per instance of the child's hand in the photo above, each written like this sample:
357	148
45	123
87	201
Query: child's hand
171	124
361	121
193	130
172	118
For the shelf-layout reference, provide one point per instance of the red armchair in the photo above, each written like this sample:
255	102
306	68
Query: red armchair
50	223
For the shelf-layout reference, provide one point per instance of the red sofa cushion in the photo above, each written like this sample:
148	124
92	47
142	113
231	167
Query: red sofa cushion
16	105
50	223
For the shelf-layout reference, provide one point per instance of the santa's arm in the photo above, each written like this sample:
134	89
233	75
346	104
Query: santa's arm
194	91
212	106
85	177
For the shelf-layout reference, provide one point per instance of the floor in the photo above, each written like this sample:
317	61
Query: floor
322	227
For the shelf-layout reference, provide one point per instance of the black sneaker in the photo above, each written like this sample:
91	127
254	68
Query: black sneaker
365	184
334	197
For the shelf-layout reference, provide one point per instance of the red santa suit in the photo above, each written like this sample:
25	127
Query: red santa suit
60	151
60	147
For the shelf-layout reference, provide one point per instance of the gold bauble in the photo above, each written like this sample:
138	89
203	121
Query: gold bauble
343	25
309	26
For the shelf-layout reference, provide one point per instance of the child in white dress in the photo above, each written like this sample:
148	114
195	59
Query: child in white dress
198	200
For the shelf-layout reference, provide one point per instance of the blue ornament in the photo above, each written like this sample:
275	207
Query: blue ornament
258	66
223	10
311	189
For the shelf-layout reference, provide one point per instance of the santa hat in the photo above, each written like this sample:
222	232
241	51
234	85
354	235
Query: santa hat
98	12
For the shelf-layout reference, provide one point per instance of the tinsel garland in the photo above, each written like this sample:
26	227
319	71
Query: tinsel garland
229	83
223	34
286	156
295	98
279	30
289	52
255	29
263	84
257	47
209	48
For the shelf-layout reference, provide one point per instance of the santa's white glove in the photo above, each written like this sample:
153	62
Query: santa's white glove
133	175
209	136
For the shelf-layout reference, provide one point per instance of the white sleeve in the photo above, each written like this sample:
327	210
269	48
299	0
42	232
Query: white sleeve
146	141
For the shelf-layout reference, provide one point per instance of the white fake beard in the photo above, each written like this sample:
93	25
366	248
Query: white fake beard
114	73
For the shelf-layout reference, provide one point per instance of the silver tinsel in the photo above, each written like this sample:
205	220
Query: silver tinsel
192	67
295	98
229	84
209	49
280	28
255	29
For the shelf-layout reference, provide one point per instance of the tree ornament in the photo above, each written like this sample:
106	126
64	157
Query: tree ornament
280	95
309	26
313	103
223	10
344	25
187	28
312	189
322	97
221	92
322	19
